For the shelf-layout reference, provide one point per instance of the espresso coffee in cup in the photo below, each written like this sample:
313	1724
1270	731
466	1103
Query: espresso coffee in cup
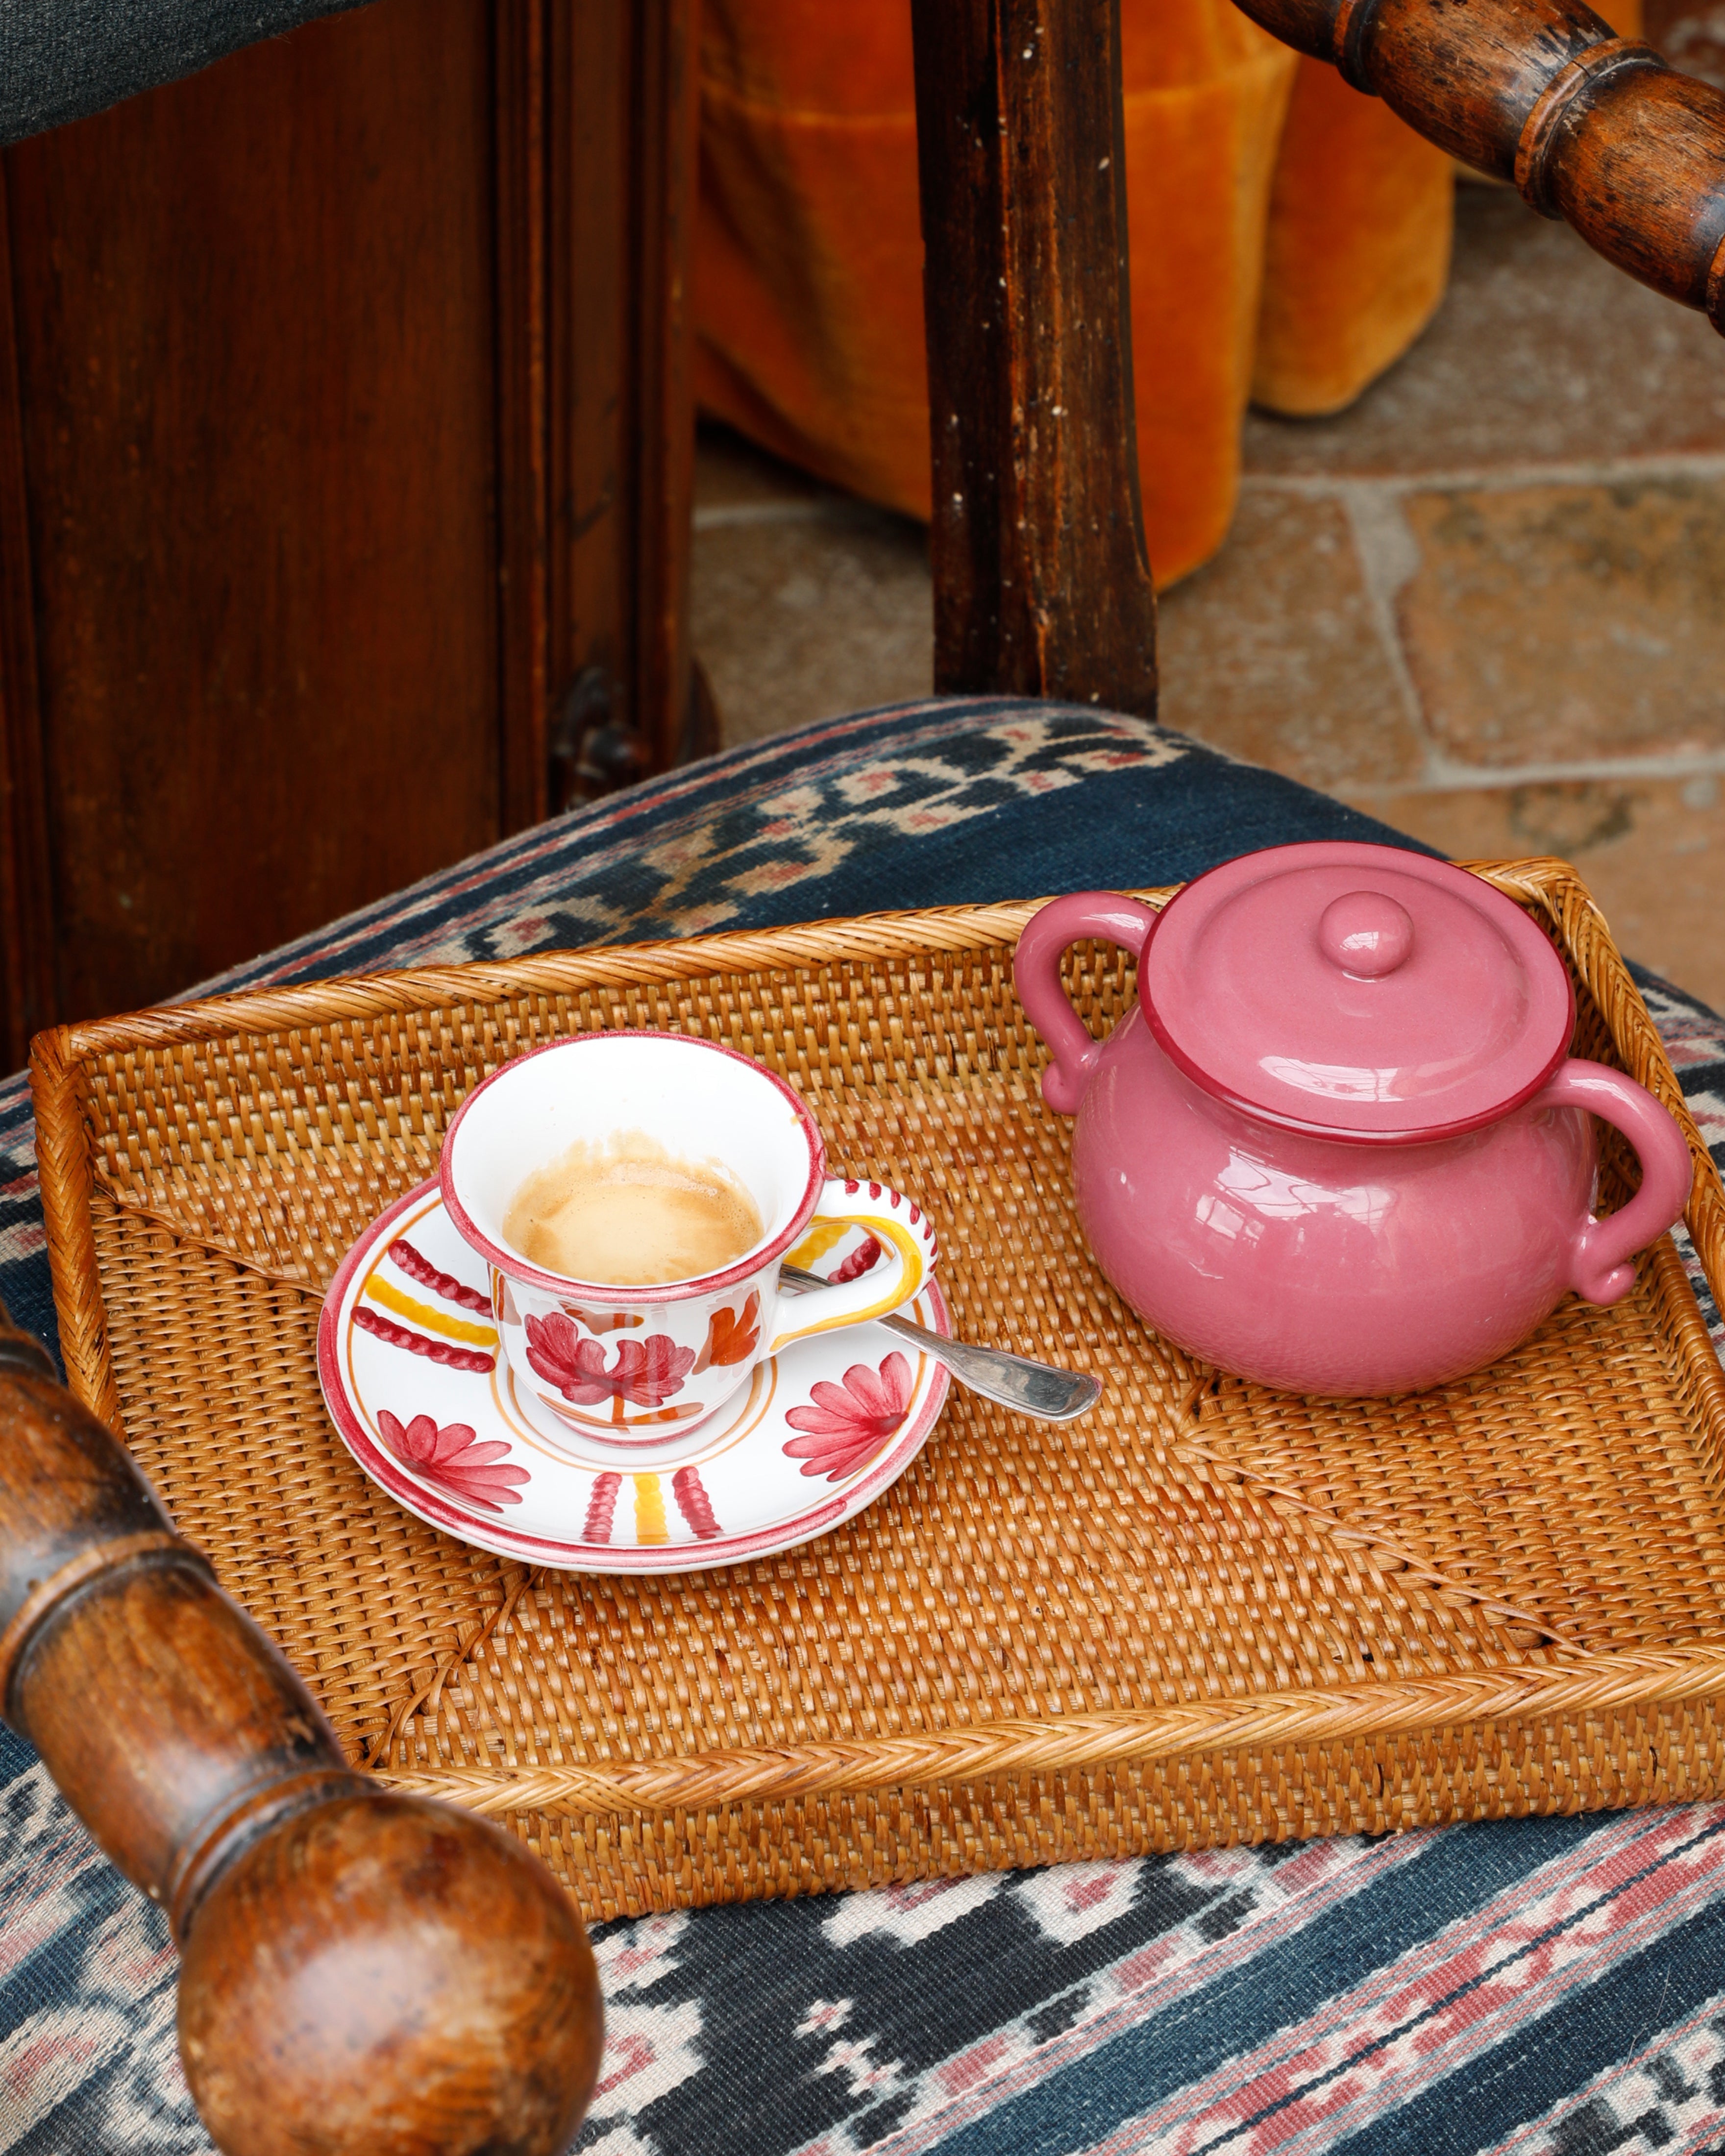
631	1214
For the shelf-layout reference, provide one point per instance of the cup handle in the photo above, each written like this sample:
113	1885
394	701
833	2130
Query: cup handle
1036	975
1600	1251
905	1240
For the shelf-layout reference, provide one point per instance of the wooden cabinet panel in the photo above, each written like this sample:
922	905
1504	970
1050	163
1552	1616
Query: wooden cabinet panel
344	447
253	315
622	110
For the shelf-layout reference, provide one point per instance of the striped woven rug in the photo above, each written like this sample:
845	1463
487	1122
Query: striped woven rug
1552	1987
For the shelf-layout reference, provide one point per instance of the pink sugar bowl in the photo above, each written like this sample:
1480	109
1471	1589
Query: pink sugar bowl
1339	1144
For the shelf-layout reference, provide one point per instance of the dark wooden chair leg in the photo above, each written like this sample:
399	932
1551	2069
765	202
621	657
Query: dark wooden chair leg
1041	581
363	1973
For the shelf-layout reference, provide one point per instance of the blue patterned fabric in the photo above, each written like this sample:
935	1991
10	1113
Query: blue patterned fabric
60	59
1553	1988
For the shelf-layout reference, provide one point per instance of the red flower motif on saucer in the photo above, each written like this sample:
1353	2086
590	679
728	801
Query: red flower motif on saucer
645	1373
470	1467
845	1425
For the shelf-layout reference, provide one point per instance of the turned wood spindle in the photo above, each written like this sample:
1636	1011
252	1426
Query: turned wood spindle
1592	128
363	1973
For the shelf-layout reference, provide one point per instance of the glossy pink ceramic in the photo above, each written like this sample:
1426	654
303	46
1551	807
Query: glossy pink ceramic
1339	1146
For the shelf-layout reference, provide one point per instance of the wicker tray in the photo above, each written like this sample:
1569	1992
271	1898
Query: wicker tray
1203	1614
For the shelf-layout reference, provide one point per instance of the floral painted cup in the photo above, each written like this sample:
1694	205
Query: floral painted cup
634	1371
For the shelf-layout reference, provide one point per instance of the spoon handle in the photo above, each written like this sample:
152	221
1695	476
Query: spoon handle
1033	1389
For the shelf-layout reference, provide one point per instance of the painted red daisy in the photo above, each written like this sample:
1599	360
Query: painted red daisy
470	1467
845	1425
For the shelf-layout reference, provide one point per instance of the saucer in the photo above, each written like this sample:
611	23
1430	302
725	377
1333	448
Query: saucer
414	1376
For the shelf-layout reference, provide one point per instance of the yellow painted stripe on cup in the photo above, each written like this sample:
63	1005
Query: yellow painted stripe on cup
820	1238
650	1510
909	1248
424	1313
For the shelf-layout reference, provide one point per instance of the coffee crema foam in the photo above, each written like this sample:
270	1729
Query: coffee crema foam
628	1214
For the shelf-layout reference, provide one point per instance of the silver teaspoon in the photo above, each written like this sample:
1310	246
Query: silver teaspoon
1034	1389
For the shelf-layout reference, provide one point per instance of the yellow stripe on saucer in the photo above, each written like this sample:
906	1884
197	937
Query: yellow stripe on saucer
650	1510
424	1313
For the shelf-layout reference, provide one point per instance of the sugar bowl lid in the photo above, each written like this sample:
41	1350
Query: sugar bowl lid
1357	990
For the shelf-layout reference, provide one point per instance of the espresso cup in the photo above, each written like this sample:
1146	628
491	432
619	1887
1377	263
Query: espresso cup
636	1371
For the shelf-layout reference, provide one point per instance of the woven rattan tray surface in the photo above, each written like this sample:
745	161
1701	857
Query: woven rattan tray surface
1203	1613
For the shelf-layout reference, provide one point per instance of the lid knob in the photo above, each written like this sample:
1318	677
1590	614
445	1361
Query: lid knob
1366	933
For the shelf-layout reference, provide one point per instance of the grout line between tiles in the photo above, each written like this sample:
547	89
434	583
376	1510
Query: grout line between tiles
821	509
1603	471
1441	776
845	511
1387	554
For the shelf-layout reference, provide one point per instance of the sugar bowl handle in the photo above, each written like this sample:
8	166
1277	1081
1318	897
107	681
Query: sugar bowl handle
1036	975
1600	1253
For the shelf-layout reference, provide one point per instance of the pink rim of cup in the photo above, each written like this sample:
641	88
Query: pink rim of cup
498	1255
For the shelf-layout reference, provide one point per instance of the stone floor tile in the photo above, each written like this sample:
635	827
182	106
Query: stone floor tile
1541	352
1651	851
1552	624
1273	652
800	618
1548	617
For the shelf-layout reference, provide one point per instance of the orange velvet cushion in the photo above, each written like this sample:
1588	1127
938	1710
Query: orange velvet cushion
1288	262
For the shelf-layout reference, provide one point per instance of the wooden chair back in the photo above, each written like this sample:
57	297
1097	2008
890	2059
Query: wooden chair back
1041	580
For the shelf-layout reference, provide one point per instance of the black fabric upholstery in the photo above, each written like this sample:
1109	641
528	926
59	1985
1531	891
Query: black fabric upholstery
60	59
